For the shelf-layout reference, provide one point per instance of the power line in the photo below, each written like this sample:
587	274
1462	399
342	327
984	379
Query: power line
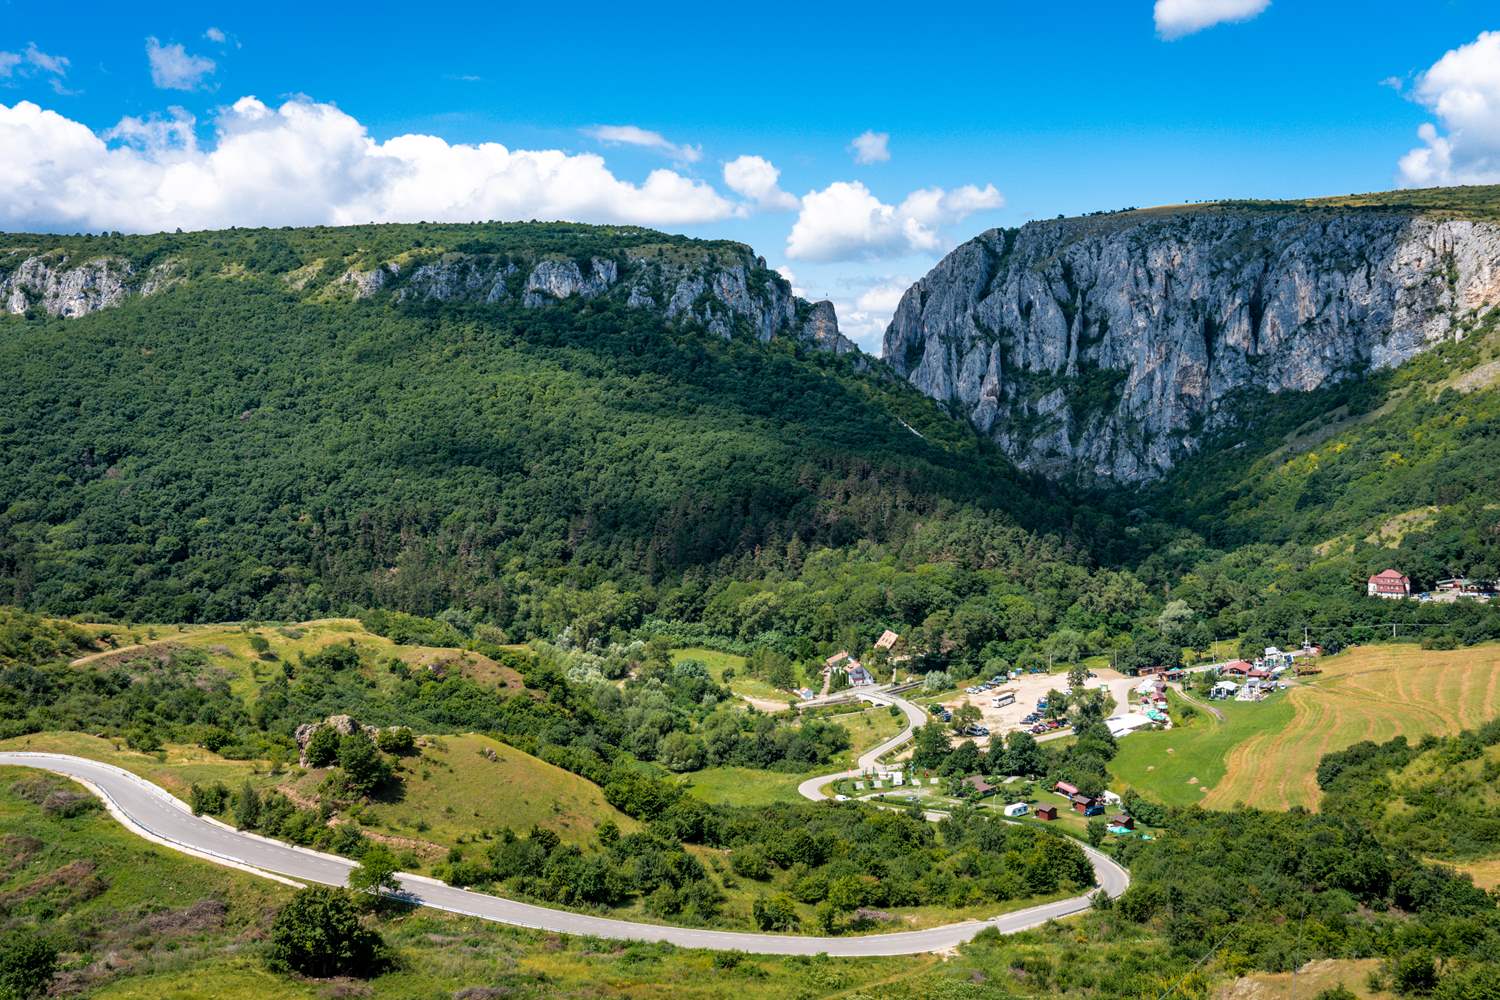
1195	966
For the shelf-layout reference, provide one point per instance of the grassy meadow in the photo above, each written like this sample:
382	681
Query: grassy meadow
1184	765
468	783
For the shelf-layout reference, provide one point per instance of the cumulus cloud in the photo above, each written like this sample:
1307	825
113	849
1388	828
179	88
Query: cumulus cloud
1463	90
174	68
215	35
864	317
871	147
844	221
32	62
756	178
305	163
632	135
1175	18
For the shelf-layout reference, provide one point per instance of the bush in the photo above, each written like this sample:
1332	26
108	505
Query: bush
322	747
1413	972
319	934
751	862
398	741
27	963
1337	992
211	799
774	913
364	768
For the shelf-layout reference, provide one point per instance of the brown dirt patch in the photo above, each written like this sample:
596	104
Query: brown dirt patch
72	883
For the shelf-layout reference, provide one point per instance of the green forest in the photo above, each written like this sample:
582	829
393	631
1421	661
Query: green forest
254	444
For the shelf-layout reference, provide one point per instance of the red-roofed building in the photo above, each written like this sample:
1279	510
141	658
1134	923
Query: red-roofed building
1390	584
887	640
1236	667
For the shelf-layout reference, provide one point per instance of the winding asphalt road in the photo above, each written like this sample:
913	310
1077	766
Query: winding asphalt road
151	812
812	788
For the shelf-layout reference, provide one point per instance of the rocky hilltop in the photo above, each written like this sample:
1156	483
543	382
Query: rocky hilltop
722	288
1107	347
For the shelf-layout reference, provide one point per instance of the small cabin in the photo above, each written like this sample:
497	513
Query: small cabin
980	786
1047	813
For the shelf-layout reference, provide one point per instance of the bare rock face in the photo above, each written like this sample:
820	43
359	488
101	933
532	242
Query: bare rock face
366	283
456	277
1105	348
725	289
551	280
821	329
50	284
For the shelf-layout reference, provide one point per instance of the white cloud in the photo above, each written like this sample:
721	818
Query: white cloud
174	68
1463	90
215	35
56	65
1175	18
791	279
844	221
883	296
871	147
32	61
864	318
305	163
756	178
632	135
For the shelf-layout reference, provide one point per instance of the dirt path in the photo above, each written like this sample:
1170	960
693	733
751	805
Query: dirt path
1210	709
766	704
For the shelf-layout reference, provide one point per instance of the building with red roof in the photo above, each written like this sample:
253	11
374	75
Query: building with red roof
1390	584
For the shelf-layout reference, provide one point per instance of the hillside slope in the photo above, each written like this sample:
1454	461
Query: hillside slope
245	424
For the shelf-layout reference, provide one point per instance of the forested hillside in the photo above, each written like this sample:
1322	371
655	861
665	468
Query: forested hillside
617	432
240	446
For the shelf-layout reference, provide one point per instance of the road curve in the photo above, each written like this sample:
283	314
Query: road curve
812	788
150	811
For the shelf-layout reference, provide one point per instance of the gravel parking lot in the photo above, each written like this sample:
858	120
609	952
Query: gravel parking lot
1029	689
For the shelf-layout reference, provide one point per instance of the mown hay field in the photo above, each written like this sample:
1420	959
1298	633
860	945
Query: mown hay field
1368	693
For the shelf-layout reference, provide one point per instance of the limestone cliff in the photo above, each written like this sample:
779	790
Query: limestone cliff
727	292
1106	347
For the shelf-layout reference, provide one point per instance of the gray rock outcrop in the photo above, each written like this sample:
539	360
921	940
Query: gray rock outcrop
724	288
1107	347
50	284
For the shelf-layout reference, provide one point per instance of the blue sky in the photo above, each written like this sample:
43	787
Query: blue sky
993	117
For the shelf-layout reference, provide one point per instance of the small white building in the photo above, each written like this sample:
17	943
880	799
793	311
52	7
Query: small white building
1017	809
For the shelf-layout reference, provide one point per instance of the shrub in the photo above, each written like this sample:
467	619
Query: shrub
322	747
27	963
398	741
319	934
774	913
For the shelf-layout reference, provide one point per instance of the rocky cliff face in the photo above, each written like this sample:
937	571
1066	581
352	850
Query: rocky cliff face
1106	347
727	294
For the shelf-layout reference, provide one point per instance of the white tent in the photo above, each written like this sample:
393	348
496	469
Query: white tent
1127	722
